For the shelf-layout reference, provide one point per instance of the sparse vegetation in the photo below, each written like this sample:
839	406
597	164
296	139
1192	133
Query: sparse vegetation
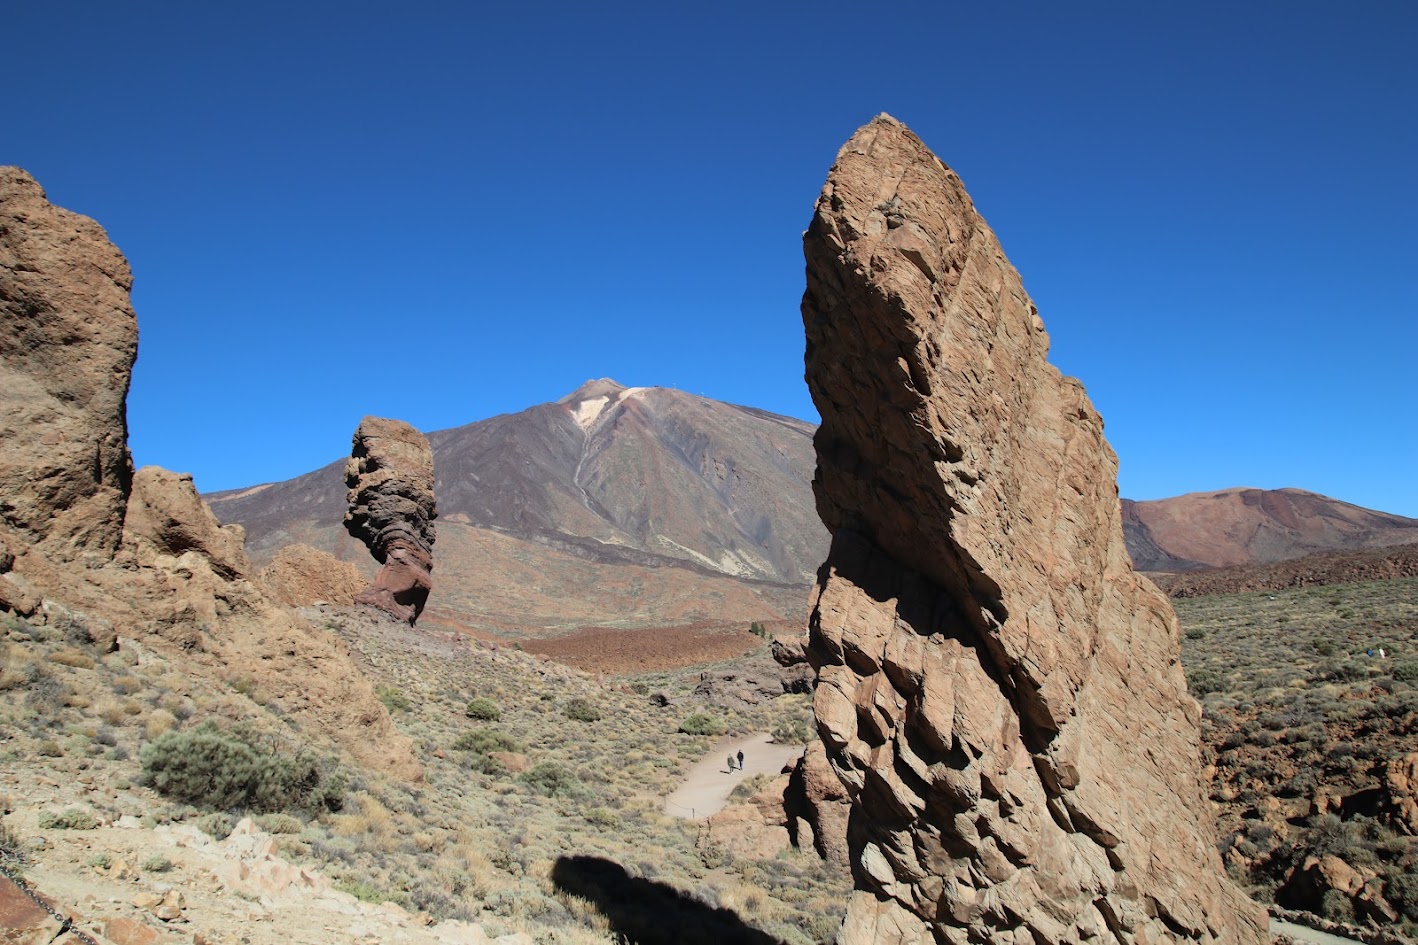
232	770
701	724
1306	698
582	710
12	847
483	709
70	818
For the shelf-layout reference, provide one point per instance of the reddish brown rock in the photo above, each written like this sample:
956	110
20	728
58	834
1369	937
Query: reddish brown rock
998	691
22	920
816	792
64	465
390	480
756	828
1399	803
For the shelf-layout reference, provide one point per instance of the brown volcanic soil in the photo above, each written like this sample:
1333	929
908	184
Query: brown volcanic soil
1253	526
1350	567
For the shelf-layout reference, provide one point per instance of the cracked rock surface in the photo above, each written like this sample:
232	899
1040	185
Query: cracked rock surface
999	693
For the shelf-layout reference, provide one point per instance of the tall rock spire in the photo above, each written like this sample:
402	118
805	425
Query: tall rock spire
391	509
998	691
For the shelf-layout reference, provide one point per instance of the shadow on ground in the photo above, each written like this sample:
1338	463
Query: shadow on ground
650	913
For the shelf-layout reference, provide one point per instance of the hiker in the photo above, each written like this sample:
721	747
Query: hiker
740	760
1382	655
731	764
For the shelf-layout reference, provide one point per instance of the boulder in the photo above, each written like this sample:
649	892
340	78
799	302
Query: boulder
1399	802
998	692
300	575
391	510
817	797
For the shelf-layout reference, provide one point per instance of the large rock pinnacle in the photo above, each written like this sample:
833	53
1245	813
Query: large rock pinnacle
390	480
68	337
999	693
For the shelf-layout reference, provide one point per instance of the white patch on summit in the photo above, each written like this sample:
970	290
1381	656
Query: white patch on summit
586	412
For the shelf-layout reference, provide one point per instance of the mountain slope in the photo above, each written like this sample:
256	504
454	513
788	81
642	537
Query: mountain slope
629	507
614	506
1252	526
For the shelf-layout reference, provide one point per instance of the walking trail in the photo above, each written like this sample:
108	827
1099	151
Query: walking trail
1301	933
706	788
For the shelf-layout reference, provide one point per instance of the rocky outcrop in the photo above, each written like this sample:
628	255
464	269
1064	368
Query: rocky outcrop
1398	803
998	691
391	510
817	796
67	344
300	575
136	556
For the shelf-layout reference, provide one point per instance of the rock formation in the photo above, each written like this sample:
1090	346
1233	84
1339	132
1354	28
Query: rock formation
390	480
300	575
999	693
66	354
133	555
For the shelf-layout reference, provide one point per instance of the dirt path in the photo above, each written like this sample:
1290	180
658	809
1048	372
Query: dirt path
1302	934
708	784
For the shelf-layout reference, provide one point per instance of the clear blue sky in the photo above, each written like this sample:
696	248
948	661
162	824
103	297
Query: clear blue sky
441	212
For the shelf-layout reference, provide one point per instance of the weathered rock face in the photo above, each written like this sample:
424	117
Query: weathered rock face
300	575
136	555
999	693
68	337
390	480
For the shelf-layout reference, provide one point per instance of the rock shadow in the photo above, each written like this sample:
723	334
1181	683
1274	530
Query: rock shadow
645	912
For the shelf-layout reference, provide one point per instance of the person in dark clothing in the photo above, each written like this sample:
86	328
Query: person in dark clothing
740	761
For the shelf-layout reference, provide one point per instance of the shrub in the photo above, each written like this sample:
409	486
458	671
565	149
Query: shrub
1406	671
485	740
12	847
582	711
218	826
701	724
231	770
551	779
70	818
483	709
393	698
1204	681
157	863
792	732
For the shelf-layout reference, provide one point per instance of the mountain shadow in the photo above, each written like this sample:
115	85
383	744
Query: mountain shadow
644	912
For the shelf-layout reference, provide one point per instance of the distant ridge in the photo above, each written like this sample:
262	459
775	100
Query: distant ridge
1242	526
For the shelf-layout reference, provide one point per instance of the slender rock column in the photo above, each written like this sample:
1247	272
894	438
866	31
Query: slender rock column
390	480
999	693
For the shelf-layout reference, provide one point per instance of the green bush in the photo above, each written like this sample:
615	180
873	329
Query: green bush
393	698
483	709
792	732
233	770
582	711
1406	670
70	818
553	780
701	724
486	740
